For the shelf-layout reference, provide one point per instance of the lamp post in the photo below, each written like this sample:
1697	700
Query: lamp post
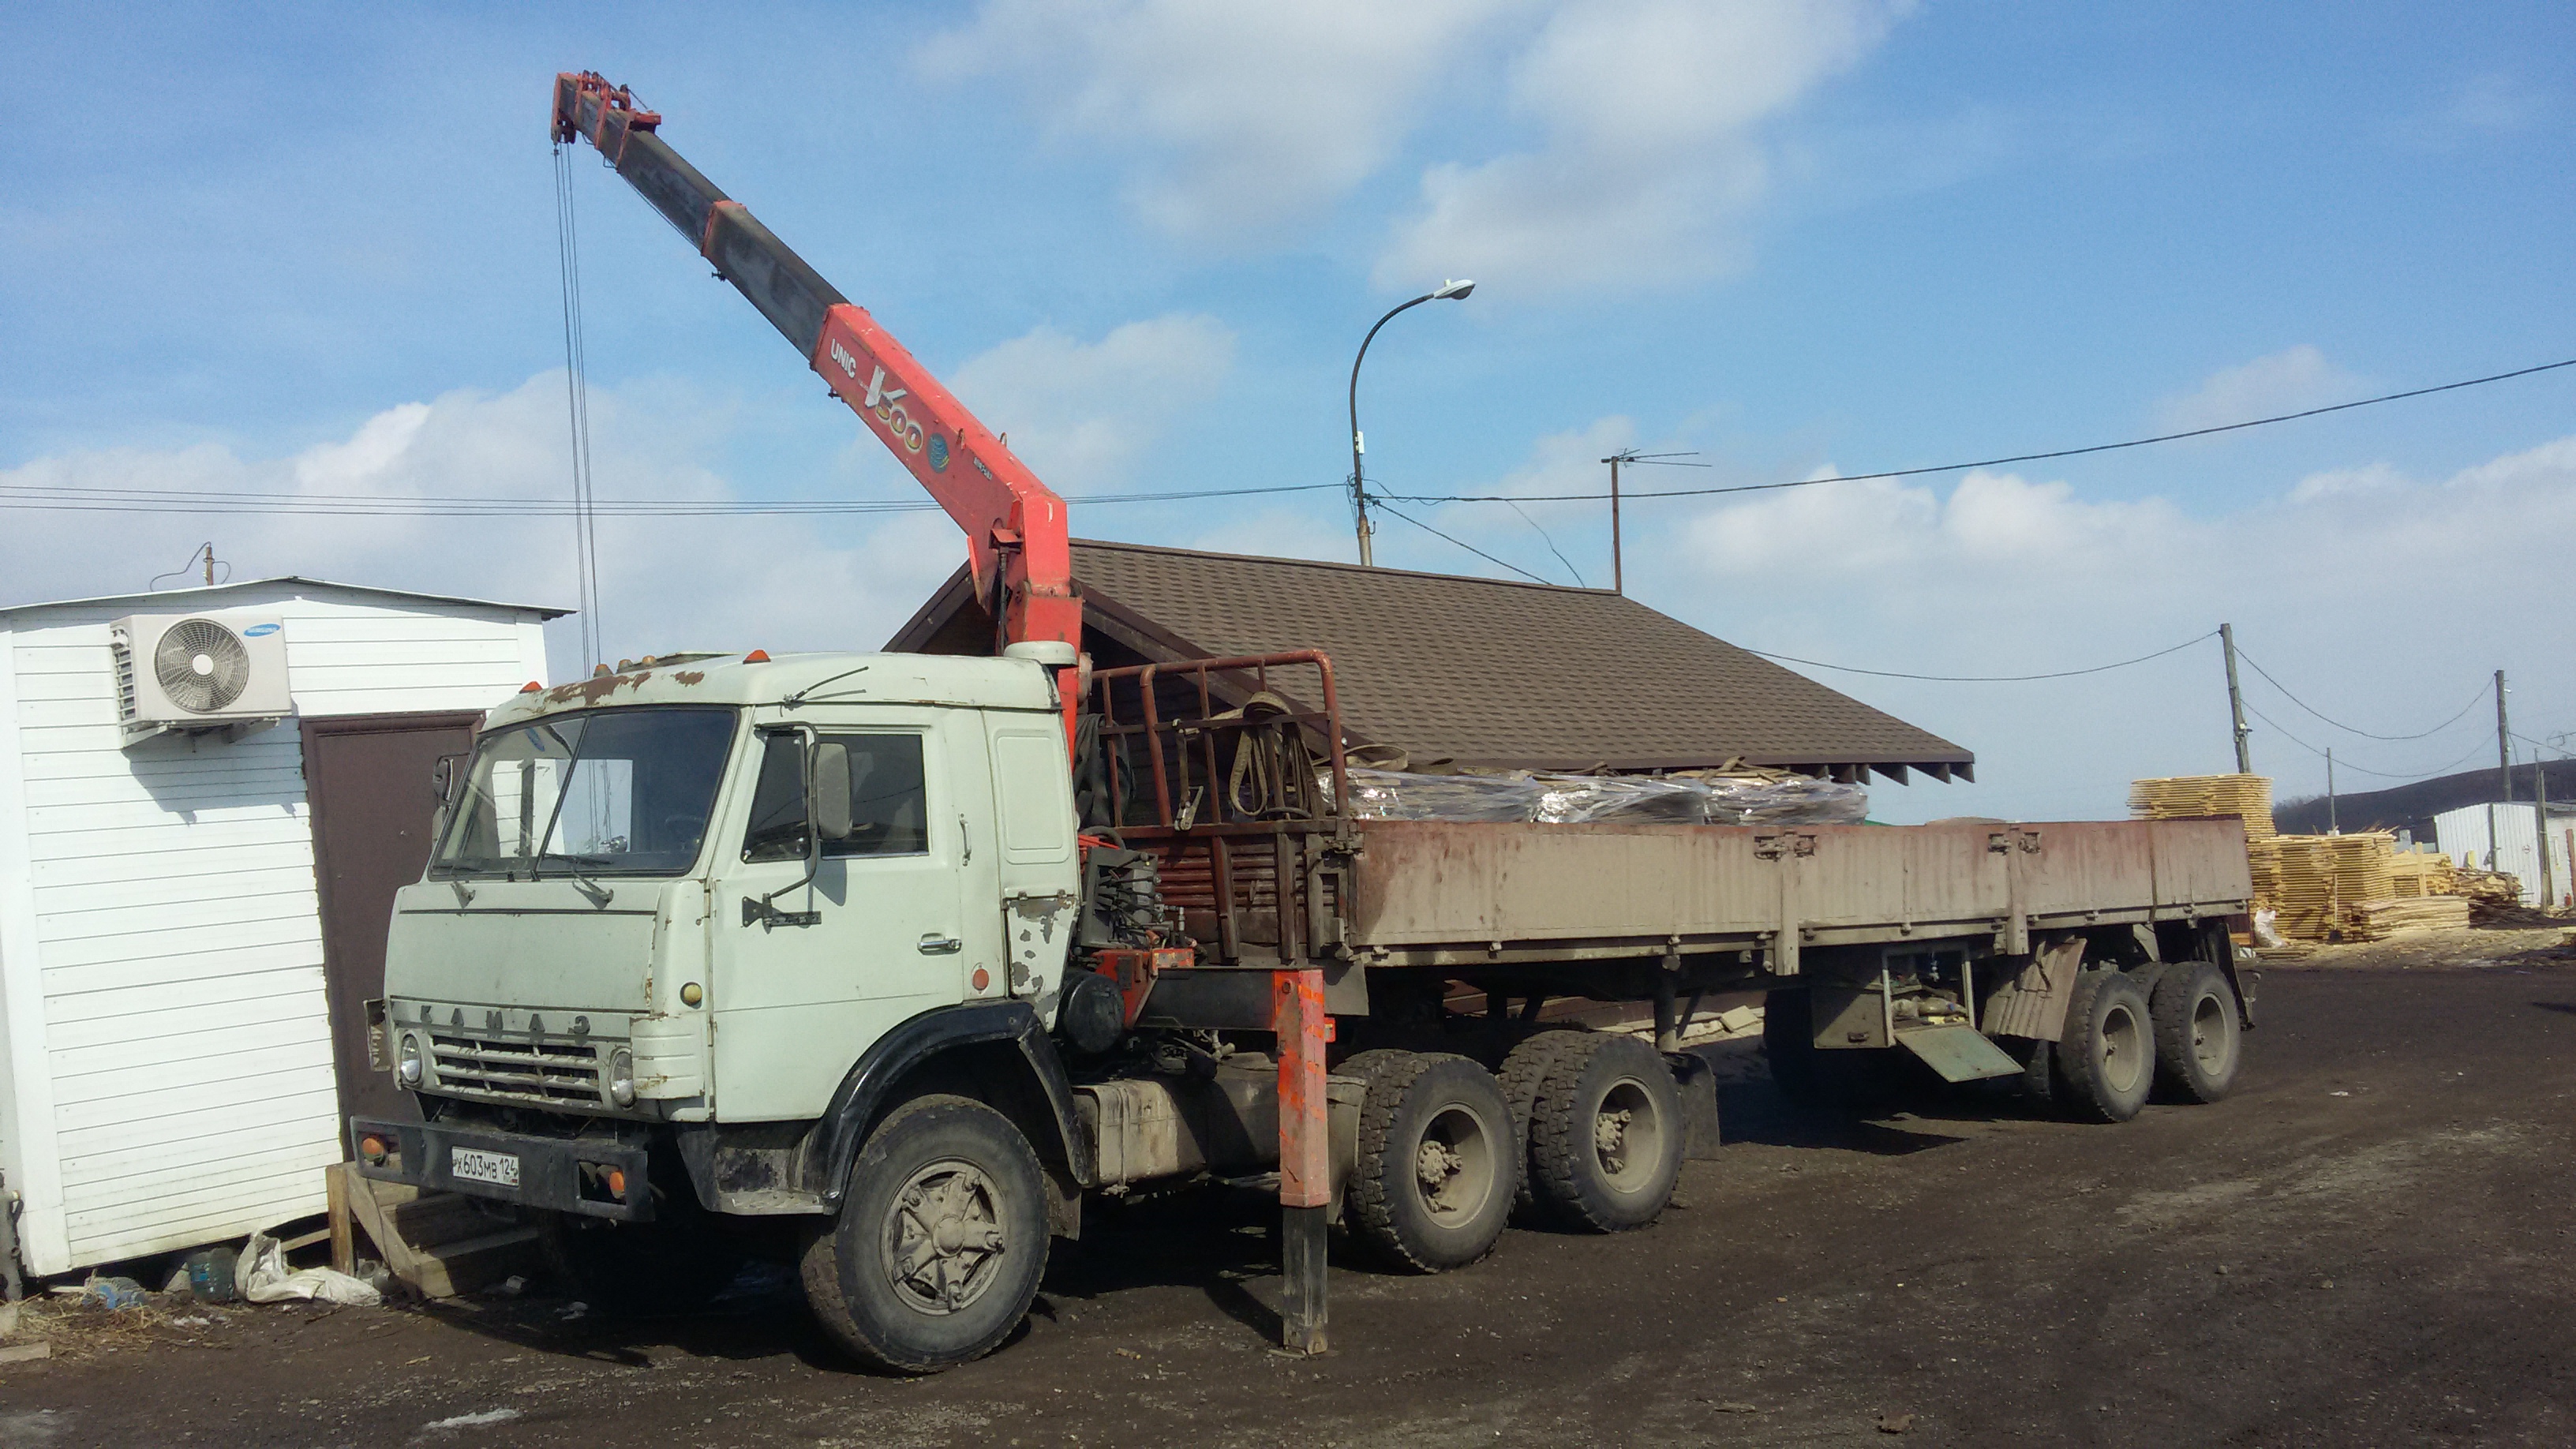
1447	292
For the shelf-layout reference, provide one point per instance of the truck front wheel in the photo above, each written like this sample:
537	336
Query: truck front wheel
941	1240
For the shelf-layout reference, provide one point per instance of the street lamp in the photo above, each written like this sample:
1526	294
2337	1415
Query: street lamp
1447	292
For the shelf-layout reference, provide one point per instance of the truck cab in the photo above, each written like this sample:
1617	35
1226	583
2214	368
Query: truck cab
630	911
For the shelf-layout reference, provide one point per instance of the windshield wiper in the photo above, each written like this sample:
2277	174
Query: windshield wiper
599	894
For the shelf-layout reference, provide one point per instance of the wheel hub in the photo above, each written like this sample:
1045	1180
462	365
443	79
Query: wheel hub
1610	1138
1435	1164
943	1236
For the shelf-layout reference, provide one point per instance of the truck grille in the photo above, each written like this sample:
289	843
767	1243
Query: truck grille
528	1071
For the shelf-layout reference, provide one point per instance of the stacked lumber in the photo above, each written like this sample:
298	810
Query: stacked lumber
2491	887
2411	913
2324	879
2422	871
2247	797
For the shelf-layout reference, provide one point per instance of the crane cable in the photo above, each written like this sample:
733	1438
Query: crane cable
577	405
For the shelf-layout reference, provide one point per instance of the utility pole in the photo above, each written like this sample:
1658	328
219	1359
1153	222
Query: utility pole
1618	569
2236	700
2333	826
2504	743
1618	576
2540	828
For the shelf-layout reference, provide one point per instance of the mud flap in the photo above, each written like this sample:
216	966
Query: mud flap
1958	1053
1698	1083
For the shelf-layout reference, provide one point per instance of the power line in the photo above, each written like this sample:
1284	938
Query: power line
73	499
2474	752
2475	700
1462	543
1546	538
1986	678
1993	462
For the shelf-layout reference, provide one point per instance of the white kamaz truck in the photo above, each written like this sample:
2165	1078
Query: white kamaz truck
880	964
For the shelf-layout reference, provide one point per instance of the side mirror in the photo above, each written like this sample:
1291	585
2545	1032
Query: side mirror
828	791
442	777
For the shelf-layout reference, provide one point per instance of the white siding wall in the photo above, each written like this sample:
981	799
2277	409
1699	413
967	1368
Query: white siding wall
160	936
2506	838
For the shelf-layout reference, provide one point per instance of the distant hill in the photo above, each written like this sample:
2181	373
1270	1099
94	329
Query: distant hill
2412	807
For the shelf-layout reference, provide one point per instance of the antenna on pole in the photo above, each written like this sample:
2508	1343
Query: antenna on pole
1618	571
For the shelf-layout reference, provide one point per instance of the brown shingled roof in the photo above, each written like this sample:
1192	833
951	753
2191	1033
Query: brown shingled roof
1481	671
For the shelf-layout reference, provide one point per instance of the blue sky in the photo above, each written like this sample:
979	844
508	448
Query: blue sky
313	249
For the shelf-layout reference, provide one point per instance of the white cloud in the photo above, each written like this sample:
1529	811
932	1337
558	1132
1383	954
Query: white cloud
1644	118
777	582
2282	382
1652	114
1079	413
2352	589
1251	116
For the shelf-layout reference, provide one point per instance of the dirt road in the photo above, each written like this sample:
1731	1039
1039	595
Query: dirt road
2369	1244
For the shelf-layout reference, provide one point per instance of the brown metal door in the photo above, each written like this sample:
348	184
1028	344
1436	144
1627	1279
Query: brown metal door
367	778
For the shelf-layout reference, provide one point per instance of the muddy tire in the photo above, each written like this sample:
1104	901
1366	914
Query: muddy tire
1437	1165
1606	1135
1524	1069
941	1240
2106	1057
2198	1038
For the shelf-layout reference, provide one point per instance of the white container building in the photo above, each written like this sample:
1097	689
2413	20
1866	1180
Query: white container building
180	983
2508	838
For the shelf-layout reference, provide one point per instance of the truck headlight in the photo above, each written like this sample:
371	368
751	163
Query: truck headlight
621	1077
407	1067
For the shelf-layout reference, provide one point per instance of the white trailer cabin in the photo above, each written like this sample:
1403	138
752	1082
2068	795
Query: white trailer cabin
199	811
2509	838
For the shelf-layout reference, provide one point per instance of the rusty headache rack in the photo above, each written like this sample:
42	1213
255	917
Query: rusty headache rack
1255	856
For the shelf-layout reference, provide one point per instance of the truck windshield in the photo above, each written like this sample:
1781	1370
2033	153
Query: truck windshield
618	792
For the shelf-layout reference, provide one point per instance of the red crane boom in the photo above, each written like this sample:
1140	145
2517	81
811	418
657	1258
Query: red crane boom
1017	538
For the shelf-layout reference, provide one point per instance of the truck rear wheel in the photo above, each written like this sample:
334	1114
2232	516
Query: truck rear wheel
1436	1162
2197	1037
1606	1136
2106	1056
1524	1069
941	1240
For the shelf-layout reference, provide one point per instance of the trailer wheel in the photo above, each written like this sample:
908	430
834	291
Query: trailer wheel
1606	1136
2106	1056
1436	1162
1524	1070
2197	1037
940	1243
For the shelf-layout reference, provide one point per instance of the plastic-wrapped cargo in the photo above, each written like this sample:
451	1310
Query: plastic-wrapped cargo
1736	799
1573	799
1783	799
1403	795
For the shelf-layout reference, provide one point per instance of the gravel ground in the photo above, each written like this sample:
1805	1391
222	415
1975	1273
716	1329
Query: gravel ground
2368	1244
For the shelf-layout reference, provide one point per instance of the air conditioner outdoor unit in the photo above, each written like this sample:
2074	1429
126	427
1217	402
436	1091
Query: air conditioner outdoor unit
198	674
